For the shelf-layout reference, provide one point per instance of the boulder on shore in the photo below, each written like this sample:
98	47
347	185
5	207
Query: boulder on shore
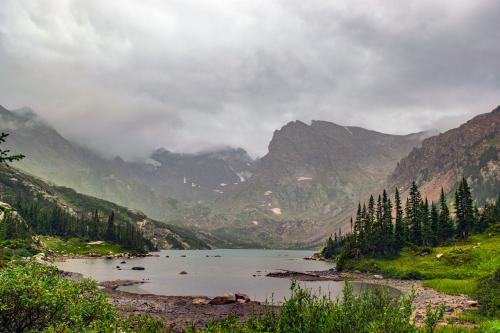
221	300
242	298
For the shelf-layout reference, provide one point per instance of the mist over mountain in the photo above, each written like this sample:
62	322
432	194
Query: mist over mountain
304	188
149	185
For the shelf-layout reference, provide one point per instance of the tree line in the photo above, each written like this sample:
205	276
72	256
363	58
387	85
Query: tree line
383	228
46	218
50	219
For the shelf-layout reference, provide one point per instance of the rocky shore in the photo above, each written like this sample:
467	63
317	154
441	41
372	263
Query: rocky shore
181	311
455	304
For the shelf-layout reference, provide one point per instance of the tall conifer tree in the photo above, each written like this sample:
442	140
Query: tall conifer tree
414	215
434	225
399	229
445	227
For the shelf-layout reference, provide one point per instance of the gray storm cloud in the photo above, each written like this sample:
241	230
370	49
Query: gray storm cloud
128	76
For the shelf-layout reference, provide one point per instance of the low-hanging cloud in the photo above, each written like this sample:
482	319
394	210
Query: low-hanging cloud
128	76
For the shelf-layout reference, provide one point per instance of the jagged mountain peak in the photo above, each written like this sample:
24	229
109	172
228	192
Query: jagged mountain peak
318	172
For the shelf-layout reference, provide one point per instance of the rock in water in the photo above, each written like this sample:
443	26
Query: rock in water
138	268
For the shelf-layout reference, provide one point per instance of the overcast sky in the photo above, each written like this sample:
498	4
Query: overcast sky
129	76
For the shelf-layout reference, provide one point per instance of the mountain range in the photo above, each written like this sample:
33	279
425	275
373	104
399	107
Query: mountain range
303	189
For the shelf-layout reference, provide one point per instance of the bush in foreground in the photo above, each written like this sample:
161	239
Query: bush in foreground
34	297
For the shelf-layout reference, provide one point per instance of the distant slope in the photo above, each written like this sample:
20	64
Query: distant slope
471	150
14	182
191	177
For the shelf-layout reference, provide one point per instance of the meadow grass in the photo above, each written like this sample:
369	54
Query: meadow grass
76	245
452	287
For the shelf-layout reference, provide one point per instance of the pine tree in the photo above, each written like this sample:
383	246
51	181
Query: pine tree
426	224
445	226
464	209
377	232
434	225
358	227
399	236
406	223
365	237
387	227
369	224
328	250
110	229
487	217
414	215
94	225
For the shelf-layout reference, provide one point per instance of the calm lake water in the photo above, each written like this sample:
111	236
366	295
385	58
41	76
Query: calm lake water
234	271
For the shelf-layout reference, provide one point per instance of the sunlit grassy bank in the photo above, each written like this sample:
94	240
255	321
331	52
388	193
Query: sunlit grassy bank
452	269
78	246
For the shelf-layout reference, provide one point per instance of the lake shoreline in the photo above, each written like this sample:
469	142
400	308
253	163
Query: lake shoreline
180	311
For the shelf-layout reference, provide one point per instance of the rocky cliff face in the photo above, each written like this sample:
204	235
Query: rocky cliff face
471	150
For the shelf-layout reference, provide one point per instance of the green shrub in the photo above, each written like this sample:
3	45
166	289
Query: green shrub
488	294
34	297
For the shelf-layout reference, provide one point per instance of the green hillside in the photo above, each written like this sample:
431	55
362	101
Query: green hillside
25	194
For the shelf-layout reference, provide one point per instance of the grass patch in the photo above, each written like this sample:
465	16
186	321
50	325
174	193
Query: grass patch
452	287
456	329
78	246
492	326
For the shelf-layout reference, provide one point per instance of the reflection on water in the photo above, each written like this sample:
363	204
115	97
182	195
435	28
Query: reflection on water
210	272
